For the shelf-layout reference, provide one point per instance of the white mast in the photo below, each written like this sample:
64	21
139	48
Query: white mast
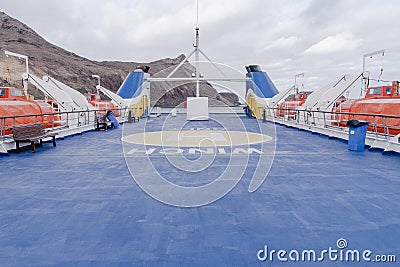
197	56
196	48
196	51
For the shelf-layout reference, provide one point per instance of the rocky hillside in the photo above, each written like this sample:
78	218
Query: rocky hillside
76	71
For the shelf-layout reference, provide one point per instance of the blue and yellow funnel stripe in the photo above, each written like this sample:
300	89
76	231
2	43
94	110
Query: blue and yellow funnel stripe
136	89
259	88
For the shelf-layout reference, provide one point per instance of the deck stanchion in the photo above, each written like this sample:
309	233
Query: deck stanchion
386	126
264	115
129	115
3	132
52	121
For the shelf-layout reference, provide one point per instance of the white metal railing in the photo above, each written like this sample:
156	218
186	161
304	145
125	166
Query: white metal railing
57	120
379	123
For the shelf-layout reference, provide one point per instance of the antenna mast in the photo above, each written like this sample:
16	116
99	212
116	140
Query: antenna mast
196	51
197	17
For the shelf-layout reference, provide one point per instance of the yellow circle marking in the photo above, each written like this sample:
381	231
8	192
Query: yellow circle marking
197	138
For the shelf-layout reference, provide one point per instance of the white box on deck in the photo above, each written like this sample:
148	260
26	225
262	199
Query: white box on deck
197	108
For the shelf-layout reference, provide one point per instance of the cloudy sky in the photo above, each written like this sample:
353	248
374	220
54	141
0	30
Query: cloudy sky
322	38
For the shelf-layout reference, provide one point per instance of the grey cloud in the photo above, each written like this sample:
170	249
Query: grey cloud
274	34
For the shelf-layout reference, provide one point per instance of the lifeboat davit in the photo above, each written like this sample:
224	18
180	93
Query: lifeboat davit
14	104
379	100
287	108
102	105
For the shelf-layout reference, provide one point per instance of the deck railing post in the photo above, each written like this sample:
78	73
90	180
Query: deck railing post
386	126
264	115
313	114
3	133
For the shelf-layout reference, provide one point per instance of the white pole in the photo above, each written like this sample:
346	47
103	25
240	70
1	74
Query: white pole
98	84
98	79
196	48
27	64
197	56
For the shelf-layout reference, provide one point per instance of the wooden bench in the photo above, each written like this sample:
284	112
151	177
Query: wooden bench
31	132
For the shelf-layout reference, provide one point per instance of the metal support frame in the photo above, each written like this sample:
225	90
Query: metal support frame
296	89
372	54
19	56
198	76
366	56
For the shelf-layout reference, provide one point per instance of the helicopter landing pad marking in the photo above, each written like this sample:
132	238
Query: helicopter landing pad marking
197	138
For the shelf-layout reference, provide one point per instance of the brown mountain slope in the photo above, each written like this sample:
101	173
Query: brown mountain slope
76	71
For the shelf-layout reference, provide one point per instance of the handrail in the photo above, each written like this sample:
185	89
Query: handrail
295	116
59	113
6	125
341	113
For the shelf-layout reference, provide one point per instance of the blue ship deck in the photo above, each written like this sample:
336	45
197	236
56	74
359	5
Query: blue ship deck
77	205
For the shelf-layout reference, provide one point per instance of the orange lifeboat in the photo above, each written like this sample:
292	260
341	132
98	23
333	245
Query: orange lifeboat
102	105
13	104
288	107
379	100
383	100
50	118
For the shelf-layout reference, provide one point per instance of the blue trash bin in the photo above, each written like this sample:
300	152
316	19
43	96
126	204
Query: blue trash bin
111	117
357	134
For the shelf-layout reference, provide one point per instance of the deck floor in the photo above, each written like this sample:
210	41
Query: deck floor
77	205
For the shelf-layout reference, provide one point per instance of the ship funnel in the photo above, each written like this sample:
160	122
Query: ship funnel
133	83
259	82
